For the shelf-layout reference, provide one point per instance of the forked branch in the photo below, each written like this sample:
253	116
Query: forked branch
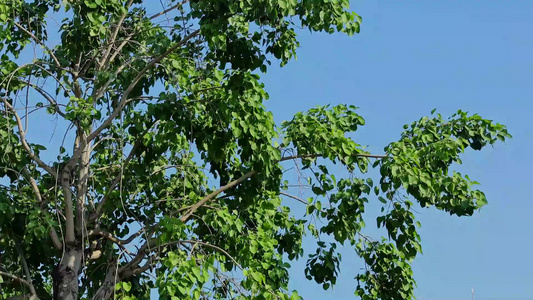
134	82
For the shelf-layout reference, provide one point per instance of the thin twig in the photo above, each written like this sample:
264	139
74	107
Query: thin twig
321	155
167	10
103	61
119	175
46	95
134	82
294	197
41	43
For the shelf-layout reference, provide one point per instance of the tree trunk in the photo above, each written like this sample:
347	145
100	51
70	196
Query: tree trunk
108	286
65	275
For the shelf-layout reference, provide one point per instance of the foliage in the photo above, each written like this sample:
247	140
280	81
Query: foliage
160	105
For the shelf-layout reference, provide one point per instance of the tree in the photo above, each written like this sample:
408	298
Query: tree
157	106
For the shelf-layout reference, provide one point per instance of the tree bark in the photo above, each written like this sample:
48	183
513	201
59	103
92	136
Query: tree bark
105	291
65	275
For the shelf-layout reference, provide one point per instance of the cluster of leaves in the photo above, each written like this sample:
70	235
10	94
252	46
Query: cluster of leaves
157	112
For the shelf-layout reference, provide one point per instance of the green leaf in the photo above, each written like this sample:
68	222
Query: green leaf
126	286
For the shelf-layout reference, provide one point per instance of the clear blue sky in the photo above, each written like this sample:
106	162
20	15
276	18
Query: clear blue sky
411	57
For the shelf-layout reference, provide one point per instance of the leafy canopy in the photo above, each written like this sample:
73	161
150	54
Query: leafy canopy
159	107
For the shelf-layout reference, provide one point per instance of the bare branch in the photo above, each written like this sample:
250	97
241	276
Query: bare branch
207	198
164	168
112	78
83	178
216	248
22	134
63	87
321	155
21	297
294	197
186	207
53	234
167	10
108	236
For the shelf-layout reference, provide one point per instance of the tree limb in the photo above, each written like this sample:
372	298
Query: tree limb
47	96
20	280
63	87
321	155
128	271
294	197
207	198
134	82
69	213
22	134
204	200
55	239
167	10
108	236
114	35
25	268
33	185
52	232
20	297
83	177
117	179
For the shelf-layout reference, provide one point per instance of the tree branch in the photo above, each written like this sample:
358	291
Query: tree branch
53	234
69	213
20	280
134	82
294	197
115	182
20	297
321	155
63	87
114	35
55	239
22	134
25	268
41	43
108	236
47	96
204	200
207	198
83	177
112	187
128	271
33	185
167	10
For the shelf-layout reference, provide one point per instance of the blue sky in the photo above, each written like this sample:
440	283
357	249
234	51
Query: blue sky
411	57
